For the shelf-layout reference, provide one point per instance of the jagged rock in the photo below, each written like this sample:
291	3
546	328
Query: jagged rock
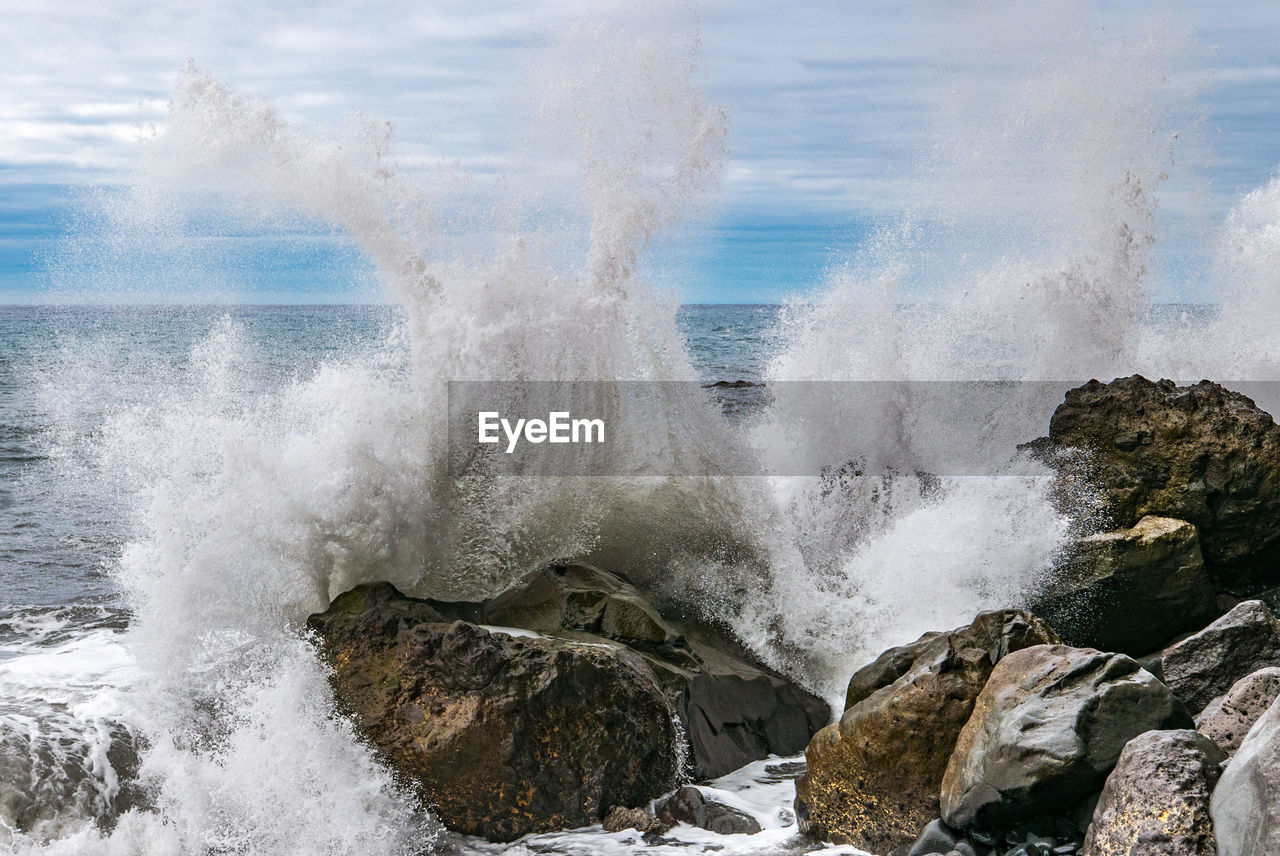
1198	453
885	669
1246	803
1229	717
502	735
735	709
1156	800
690	805
1205	665
1131	590
1045	732
873	778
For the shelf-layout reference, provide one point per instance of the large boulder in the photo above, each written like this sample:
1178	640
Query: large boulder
1199	453
503	735
1229	717
1045	732
873	777
735	710
1204	666
1156	800
1246	803
1131	590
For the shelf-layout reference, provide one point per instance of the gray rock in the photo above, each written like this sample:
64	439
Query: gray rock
873	778
1131	590
1206	664
937	837
1246	803
690	805
1228	718
1046	730
1156	800
620	818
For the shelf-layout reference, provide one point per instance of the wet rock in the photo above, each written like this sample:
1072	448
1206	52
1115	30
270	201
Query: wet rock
1131	590
1205	665
620	818
1046	730
873	778
501	735
1246	802
937	837
1229	717
1156	800
690	805
1198	453
735	709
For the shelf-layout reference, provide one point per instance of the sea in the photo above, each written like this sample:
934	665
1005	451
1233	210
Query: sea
181	486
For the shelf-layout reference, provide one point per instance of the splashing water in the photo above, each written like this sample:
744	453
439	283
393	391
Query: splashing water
257	503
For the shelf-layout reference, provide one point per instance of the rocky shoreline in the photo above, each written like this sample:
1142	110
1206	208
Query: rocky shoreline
1130	708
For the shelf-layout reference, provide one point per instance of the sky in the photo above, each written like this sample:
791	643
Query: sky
844	118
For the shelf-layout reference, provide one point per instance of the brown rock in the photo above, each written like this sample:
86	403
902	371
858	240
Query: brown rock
1228	718
873	778
502	735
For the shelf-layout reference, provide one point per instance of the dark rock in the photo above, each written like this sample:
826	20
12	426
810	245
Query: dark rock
1046	730
873	778
1246	803
502	736
735	709
1198	453
690	805
1131	590
1205	665
1156	800
937	837
1228	718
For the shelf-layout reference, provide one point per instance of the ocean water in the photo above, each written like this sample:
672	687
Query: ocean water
183	486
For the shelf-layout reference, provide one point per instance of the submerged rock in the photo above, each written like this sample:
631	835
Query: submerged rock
1045	732
1229	717
1198	453
1131	590
735	710
502	735
1156	801
690	805
873	778
1246	803
1204	666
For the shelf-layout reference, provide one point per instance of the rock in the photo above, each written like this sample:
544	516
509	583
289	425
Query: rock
1205	665
1228	718
885	669
1156	800
735	710
620	818
1045	732
937	837
1246	803
1131	590
873	778
1197	453
690	805
501	735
